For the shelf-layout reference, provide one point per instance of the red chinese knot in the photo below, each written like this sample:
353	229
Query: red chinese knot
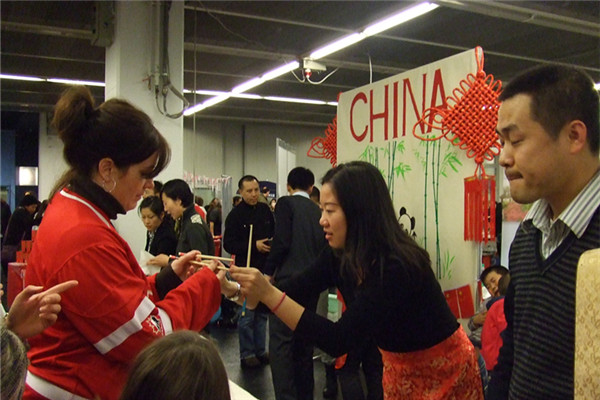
468	120
325	147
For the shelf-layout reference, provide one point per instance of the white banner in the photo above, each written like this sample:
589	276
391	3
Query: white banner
425	178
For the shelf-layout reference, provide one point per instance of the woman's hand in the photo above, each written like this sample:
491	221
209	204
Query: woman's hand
161	260
32	311
255	286
182	266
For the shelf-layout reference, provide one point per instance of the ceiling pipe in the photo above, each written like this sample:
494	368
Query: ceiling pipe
500	9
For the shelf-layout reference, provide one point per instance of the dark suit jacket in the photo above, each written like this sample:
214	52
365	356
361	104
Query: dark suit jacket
298	237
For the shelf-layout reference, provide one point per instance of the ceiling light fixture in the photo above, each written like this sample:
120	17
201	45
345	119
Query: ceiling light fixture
76	82
373	29
208	103
52	80
399	18
295	100
21	78
348	40
336	46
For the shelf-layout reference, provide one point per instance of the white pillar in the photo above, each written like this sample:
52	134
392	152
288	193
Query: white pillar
129	64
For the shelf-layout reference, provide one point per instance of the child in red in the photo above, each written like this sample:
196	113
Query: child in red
495	323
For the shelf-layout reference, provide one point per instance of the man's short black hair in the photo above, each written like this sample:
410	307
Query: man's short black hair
499	269
246	178
301	178
559	95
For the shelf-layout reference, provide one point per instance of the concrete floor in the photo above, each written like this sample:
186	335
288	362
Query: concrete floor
257	382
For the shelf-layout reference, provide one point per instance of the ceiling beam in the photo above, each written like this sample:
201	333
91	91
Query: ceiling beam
501	9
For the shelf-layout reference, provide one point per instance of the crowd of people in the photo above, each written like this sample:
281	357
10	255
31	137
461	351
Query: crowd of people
91	316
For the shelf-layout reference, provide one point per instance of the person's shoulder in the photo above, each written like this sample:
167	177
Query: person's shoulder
497	305
196	219
263	206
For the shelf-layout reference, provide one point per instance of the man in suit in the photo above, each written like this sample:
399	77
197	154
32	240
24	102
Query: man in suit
297	241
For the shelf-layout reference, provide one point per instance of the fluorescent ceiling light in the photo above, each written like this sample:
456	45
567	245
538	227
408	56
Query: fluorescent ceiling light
277	72
399	18
208	103
348	40
75	82
267	76
597	86
53	80
252	83
294	100
336	46
21	78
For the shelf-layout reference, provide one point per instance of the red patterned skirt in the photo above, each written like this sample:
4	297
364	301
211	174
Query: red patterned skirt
447	370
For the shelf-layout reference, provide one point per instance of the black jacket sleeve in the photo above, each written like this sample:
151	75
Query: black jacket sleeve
166	280
234	237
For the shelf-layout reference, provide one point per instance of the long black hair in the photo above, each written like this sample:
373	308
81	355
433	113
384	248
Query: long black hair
374	235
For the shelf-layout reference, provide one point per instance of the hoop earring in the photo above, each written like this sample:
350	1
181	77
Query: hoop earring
113	187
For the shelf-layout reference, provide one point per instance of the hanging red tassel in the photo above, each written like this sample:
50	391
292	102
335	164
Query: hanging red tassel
480	208
468	120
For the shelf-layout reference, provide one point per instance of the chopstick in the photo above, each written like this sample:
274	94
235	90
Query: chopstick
201	264
221	267
207	257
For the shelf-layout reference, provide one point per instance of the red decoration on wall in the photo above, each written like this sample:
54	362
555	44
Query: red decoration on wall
325	147
468	120
460	301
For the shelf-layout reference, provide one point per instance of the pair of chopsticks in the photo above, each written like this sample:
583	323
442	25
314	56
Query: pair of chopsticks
207	257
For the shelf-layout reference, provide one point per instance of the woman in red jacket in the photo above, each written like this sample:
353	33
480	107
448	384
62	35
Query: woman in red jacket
113	152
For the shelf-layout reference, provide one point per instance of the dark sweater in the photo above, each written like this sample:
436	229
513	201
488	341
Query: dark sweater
404	310
536	360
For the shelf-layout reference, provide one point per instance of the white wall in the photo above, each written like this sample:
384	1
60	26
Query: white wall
235	149
51	163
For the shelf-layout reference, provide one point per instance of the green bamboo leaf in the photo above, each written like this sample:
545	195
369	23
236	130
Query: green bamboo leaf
402	169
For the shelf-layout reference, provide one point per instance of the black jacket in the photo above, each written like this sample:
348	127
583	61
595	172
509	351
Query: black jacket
194	234
298	237
237	231
164	241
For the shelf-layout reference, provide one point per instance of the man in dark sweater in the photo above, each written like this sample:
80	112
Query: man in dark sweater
252	326
297	241
548	125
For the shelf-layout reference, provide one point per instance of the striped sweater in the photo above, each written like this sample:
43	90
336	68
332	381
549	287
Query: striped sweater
537	358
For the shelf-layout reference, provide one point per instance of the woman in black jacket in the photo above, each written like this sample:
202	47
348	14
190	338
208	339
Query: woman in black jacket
160	234
191	231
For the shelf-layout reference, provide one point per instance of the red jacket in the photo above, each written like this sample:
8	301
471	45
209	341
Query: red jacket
111	315
494	324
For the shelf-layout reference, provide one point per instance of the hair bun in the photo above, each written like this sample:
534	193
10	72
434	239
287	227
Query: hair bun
72	113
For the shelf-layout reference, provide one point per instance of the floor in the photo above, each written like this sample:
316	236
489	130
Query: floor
257	381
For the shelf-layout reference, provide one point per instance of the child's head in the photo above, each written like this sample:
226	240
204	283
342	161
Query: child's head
491	276
182	365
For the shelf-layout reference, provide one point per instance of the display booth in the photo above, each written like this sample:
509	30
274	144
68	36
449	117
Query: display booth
392	124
